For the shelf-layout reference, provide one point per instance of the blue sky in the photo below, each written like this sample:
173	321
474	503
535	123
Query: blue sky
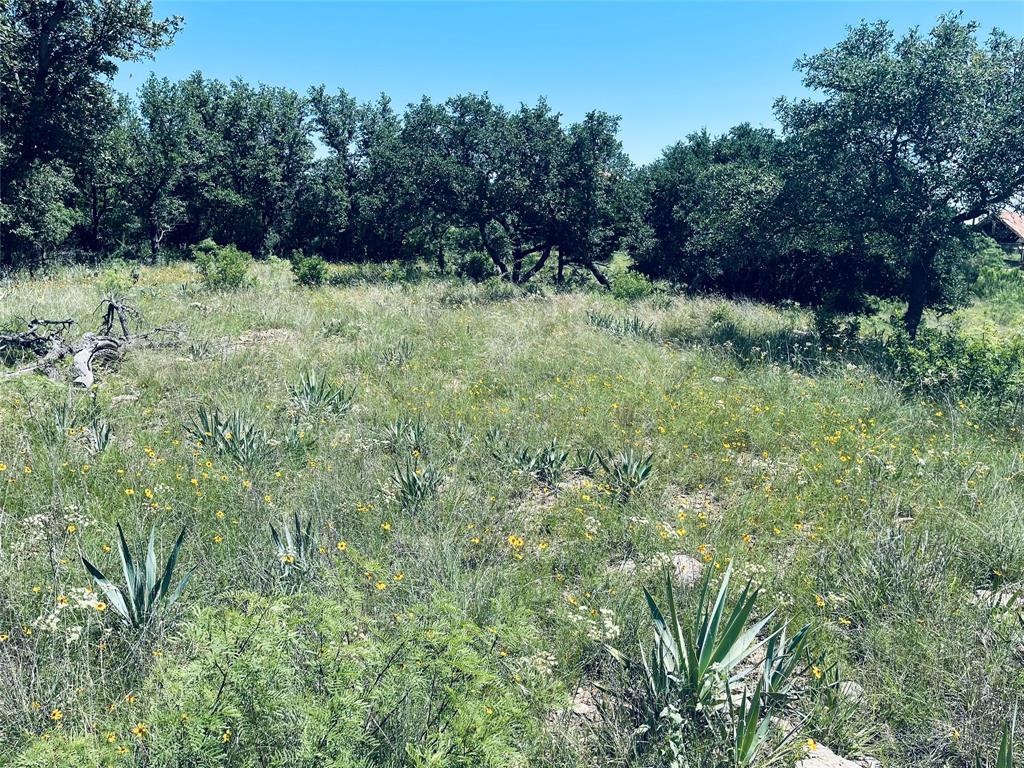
667	68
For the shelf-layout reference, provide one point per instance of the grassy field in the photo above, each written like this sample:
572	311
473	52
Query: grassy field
454	602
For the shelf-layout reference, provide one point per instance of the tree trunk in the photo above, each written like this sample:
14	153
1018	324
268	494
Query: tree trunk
597	274
539	264
917	292
560	275
441	264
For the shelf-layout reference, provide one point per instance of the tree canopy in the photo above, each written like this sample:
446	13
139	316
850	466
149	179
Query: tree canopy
867	191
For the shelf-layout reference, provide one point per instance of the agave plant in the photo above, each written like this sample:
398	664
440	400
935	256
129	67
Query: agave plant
629	471
293	549
316	394
101	434
147	589
405	432
690	668
544	464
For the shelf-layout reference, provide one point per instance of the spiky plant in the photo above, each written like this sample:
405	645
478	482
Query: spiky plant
147	589
294	546
232	436
1004	758
689	667
782	659
414	483
749	734
315	394
628	471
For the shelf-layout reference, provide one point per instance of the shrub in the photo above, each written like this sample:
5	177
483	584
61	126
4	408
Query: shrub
117	279
943	363
310	271
221	268
475	266
631	286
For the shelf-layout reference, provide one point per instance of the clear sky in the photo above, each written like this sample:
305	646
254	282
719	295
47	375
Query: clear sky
667	68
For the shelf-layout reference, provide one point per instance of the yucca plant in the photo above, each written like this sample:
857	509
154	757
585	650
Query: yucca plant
628	471
544	464
101	434
414	483
315	394
147	589
749	736
231	435
603	320
783	658
407	433
634	326
587	461
1004	759
690	668
294	545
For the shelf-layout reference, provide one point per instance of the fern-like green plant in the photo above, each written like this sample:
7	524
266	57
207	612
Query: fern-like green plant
147	589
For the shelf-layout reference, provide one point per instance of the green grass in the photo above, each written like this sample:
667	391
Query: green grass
459	629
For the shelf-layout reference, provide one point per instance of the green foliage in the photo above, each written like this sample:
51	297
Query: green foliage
691	667
414	483
406	434
475	266
629	286
544	464
950	364
232	436
147	589
116	280
750	734
295	546
310	271
221	268
633	326
784	658
628	471
1004	759
315	394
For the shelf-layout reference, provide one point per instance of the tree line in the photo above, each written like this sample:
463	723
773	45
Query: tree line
866	191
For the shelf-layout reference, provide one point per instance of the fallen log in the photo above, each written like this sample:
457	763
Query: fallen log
47	340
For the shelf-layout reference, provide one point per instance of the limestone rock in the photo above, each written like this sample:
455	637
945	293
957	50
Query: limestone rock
687	570
823	757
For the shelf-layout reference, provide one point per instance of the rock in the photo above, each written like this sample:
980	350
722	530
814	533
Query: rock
582	710
718	379
121	399
999	598
823	757
868	762
627	567
852	691
687	570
